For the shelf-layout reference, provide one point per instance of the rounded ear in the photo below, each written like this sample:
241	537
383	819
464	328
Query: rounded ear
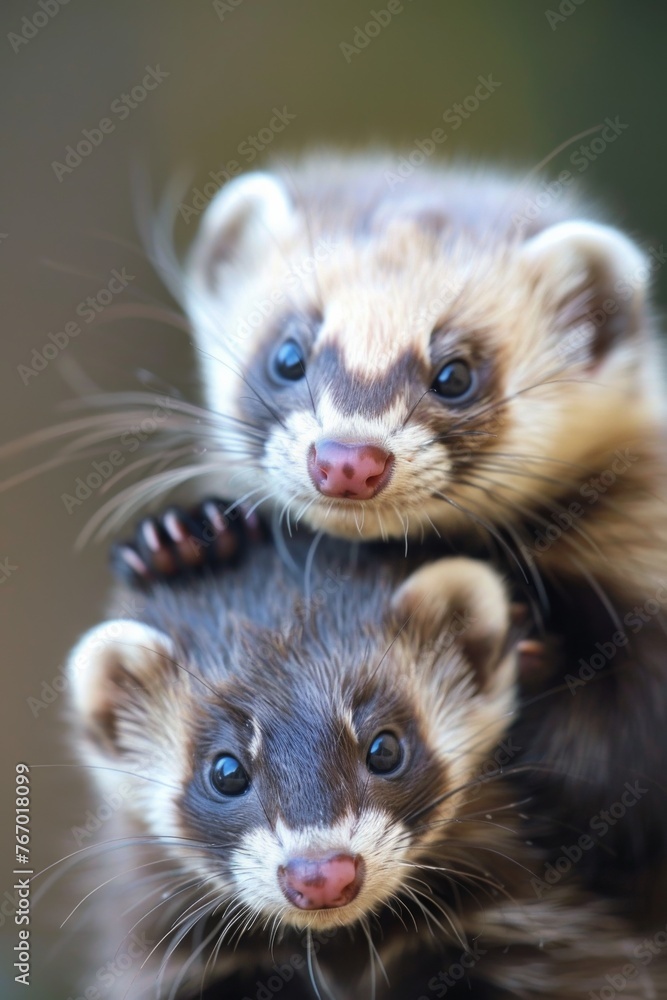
245	213
460	603
595	278
114	671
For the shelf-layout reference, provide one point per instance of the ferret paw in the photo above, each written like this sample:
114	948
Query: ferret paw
179	544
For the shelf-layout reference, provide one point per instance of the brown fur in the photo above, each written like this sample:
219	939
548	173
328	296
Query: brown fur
294	689
554	318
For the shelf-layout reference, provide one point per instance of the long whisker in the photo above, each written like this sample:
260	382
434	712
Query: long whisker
487	526
158	484
148	864
192	959
244	378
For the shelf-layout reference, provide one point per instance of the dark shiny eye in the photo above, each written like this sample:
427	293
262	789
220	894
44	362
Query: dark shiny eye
228	776
289	363
456	382
384	754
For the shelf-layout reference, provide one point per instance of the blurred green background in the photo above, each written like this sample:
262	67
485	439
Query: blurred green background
228	66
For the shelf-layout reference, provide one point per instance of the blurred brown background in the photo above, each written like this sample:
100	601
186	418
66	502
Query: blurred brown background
228	65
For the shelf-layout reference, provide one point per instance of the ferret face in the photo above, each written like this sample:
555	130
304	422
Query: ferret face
308	773
311	798
392	369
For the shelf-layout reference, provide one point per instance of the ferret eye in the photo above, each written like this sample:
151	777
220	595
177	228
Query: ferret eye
228	776
289	362
455	381
384	754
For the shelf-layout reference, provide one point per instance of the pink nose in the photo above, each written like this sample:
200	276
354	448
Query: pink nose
349	471
321	883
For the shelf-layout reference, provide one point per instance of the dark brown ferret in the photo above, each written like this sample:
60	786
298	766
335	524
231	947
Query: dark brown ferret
318	793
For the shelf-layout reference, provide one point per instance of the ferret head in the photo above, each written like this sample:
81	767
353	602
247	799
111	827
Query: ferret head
301	774
388	359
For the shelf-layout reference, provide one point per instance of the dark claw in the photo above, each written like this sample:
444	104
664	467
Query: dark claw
178	544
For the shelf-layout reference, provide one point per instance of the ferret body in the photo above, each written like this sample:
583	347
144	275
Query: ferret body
386	359
317	793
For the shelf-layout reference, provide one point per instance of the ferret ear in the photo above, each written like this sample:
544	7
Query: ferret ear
461	604
114	671
595	280
245	213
